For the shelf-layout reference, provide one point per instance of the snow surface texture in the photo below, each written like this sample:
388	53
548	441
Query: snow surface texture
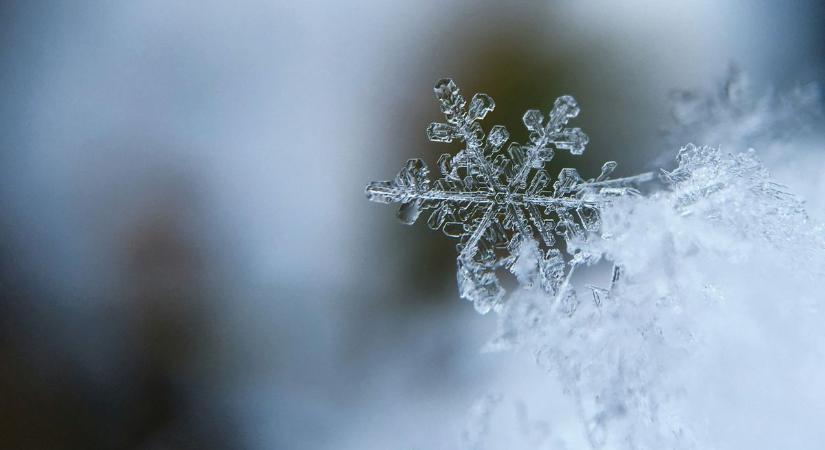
710	334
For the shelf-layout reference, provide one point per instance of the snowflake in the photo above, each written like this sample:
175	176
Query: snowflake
501	204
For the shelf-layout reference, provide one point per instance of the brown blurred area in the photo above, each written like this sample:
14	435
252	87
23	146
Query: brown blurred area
156	334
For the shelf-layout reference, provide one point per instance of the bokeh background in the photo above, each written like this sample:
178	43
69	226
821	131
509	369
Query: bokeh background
187	259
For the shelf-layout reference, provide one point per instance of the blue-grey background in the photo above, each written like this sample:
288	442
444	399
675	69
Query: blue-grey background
187	259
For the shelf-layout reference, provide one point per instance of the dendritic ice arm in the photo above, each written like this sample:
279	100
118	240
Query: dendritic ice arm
497	200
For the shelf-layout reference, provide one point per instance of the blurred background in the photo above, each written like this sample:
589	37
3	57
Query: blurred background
187	259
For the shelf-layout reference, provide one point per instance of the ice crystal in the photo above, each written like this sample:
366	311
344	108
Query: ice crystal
496	200
735	190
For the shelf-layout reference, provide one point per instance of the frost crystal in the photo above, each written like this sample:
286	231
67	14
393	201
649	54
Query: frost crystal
736	191
497	200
